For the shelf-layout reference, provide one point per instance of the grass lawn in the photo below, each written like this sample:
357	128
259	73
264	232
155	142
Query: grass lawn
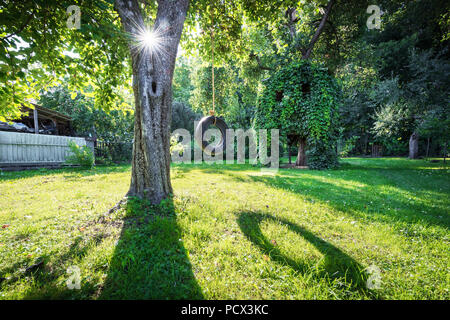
231	232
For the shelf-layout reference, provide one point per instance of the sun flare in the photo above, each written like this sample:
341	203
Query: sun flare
150	41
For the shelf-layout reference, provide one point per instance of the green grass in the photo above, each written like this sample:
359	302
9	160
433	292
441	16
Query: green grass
231	232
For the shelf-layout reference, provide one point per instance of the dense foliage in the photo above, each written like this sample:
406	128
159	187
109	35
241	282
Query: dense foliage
302	100
396	81
39	51
89	120
235	95
183	117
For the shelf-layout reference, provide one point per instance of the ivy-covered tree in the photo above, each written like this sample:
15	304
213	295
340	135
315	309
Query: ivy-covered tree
302	100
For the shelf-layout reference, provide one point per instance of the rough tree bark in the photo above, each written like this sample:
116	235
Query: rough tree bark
414	146
301	155
152	86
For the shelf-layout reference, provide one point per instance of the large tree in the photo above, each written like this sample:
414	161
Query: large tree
152	86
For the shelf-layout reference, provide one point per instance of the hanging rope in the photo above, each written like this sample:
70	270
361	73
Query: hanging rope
206	122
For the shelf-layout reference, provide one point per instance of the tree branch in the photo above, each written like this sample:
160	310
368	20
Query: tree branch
314	39
292	19
258	60
21	28
334	30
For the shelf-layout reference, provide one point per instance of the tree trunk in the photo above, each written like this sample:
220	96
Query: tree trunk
445	152
289	152
428	147
414	146
152	86
366	143
301	155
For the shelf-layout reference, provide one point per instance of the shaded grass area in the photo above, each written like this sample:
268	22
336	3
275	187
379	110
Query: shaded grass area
230	232
150	261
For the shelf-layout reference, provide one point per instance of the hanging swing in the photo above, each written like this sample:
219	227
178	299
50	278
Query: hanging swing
211	120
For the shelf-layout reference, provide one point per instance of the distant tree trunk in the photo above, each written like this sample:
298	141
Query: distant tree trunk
414	146
289	152
366	143
152	86
301	155
445	152
428	146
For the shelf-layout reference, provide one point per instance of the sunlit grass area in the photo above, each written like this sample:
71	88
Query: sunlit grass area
231	232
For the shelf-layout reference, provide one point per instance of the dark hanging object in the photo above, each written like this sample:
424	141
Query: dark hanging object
204	124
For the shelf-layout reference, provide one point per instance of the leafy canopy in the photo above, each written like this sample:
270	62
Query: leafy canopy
39	51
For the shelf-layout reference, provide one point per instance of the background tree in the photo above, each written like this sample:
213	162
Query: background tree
302	100
183	117
182	83
116	124
411	48
386	93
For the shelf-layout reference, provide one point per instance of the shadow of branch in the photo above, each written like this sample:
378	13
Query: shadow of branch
337	264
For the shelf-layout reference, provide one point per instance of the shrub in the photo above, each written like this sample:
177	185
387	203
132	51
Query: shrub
349	146
81	156
175	145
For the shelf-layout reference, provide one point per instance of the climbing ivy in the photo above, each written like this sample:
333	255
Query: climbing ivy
302	99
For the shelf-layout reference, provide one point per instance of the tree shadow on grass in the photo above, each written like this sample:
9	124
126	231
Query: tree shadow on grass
365	203
150	261
43	275
337	265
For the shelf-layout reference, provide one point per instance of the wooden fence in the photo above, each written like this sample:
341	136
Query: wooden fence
34	150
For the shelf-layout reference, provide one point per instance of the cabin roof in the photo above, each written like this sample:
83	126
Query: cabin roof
48	113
